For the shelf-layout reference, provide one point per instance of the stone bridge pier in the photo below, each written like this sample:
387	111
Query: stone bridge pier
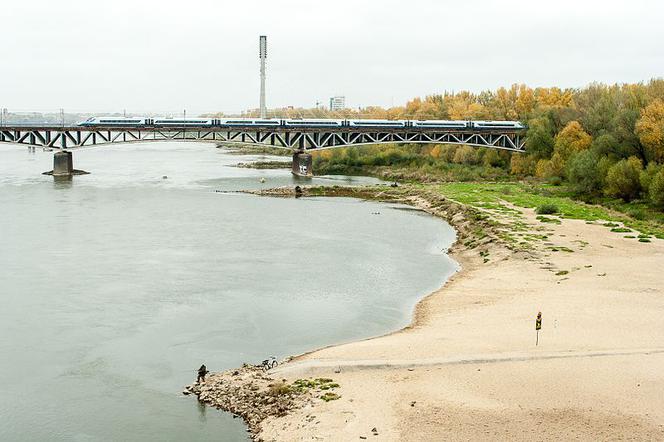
302	164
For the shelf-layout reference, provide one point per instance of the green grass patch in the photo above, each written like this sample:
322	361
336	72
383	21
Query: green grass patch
303	385
562	272
644	240
329	396
533	196
547	219
621	230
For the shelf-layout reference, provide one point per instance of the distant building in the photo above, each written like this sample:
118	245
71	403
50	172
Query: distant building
337	103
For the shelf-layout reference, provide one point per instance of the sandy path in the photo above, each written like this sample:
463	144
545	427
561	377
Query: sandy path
468	369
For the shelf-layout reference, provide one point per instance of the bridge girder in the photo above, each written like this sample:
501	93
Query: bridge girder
296	140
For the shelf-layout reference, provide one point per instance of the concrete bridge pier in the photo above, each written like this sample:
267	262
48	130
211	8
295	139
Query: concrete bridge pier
302	164
63	165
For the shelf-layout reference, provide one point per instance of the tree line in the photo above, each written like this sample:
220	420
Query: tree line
602	140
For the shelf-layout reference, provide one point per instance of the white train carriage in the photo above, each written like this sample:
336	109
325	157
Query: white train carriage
114	121
316	122
440	124
270	122
497	125
378	123
198	122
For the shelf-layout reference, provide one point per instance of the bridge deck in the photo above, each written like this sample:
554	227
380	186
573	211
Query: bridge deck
294	138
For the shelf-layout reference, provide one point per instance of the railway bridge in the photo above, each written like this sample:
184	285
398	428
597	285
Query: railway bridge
300	140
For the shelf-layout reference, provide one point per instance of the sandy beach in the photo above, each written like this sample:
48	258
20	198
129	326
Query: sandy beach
468	368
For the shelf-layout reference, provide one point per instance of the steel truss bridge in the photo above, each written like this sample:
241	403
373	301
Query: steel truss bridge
293	138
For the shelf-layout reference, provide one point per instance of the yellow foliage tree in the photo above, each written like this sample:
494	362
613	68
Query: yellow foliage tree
650	130
521	164
571	139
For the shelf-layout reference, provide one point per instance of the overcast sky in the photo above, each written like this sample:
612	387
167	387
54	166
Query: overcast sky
202	55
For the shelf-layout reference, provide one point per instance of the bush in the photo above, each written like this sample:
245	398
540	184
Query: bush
556	181
547	209
656	190
583	173
648	174
623	180
280	389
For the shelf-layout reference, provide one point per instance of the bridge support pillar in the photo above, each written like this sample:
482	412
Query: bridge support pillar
63	163
302	164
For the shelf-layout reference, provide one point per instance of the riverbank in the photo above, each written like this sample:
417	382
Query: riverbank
467	368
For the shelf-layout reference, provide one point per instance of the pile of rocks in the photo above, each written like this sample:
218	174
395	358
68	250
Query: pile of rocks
250	393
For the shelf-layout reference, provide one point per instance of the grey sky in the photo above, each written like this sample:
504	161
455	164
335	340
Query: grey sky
202	55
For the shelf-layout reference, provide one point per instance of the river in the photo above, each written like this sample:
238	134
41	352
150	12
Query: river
116	286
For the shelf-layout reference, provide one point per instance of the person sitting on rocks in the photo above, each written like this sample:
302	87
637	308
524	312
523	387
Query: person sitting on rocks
201	374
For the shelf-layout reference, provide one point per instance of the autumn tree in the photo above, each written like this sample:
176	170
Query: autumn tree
650	130
572	139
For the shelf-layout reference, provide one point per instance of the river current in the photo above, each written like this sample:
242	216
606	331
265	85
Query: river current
116	286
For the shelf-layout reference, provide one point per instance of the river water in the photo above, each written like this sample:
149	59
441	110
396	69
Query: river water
116	286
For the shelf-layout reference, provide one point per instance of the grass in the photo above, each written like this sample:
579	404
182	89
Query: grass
534	196
546	219
621	230
303	385
329	396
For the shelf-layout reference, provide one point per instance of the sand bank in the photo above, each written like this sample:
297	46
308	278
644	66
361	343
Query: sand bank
468	367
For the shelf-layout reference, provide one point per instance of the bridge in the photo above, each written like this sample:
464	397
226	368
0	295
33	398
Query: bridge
300	140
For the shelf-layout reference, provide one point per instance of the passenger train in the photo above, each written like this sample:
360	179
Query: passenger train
298	123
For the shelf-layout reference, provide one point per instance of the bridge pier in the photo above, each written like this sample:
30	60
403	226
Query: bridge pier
302	164
63	165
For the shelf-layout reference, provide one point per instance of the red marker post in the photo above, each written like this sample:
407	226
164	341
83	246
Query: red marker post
538	326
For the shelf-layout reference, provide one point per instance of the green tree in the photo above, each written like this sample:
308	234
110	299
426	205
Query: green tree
623	179
647	175
657	189
584	174
539	137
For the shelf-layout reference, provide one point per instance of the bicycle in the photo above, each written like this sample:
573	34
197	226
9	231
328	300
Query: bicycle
269	363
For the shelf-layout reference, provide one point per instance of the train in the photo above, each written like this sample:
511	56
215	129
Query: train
305	123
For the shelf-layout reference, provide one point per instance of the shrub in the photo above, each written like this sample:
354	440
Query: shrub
648	174
583	173
556	181
656	190
280	389
621	229
547	209
623	180
327	397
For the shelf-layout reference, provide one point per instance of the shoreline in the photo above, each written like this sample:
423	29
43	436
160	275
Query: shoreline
228	383
422	382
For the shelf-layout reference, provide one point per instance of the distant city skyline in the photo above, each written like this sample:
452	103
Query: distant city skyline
166	57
